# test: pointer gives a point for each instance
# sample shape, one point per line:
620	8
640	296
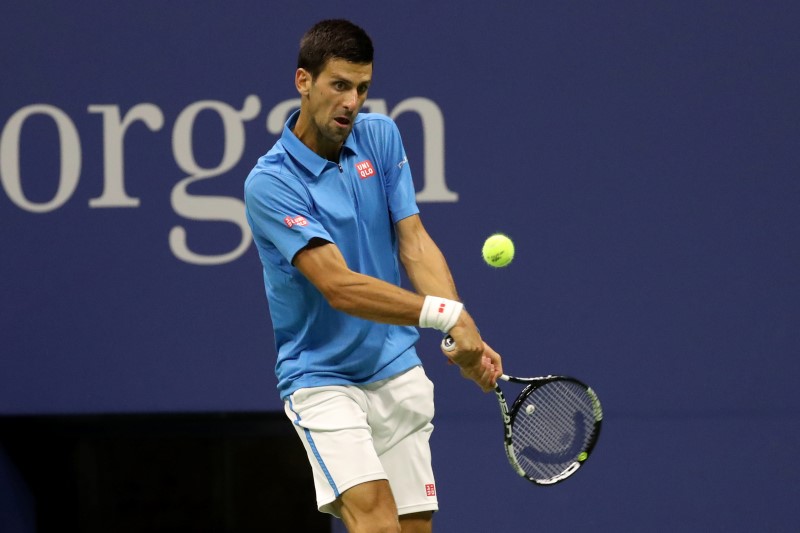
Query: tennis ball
582	456
498	250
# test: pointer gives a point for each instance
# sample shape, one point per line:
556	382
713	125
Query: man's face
334	98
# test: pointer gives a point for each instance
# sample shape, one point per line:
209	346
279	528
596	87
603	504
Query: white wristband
440	313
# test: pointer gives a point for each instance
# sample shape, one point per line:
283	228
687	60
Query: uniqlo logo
441	307
299	220
430	489
365	169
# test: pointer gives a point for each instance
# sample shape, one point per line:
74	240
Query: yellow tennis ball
498	250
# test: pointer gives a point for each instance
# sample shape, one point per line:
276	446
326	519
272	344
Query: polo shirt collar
304	155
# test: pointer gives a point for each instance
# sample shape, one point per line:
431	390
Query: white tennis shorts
353	434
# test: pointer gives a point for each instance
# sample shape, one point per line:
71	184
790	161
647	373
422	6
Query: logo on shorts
430	489
365	169
298	220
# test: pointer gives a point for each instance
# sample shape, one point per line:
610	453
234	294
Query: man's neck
313	139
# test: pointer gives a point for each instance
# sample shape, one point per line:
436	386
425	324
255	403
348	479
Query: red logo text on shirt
298	220
365	169
430	489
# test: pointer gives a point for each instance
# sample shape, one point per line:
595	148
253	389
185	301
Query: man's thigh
401	411
332	425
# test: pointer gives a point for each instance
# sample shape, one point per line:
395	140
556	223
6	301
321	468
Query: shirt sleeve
280	213
399	182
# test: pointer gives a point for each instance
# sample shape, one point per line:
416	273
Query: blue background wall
644	156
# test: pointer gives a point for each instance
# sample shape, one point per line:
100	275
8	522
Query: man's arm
354	293
428	271
373	299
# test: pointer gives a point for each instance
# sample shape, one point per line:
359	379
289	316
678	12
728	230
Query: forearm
373	299
425	264
354	293
428	272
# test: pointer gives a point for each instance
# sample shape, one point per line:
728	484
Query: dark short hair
333	39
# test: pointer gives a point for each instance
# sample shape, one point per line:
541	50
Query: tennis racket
551	428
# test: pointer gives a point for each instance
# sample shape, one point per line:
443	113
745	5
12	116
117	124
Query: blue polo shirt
293	195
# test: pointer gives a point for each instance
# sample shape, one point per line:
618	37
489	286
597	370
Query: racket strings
552	427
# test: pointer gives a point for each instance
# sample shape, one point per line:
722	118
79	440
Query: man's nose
351	99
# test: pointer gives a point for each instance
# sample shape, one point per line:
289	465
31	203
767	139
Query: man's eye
340	86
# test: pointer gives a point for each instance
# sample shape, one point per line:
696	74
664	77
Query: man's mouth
342	121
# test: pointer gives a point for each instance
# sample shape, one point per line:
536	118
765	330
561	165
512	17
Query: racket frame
531	384
509	414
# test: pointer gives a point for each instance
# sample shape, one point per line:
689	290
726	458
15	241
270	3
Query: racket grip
448	344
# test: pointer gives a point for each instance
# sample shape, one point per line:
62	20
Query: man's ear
302	81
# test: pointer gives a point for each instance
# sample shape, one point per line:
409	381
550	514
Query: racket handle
448	344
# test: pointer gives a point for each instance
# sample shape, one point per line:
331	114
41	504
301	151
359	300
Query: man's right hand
476	359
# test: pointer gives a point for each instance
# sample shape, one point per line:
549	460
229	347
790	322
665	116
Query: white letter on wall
70	151
114	129
434	188
209	207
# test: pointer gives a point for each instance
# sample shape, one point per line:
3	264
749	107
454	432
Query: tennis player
332	208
